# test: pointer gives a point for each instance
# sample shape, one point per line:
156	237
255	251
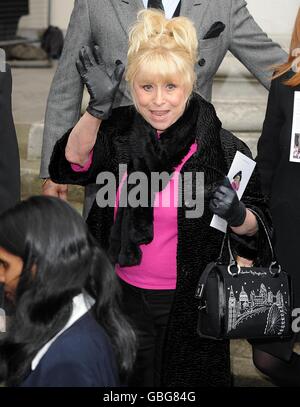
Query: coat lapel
194	9
126	11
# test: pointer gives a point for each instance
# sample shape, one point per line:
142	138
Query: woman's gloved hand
226	204
101	87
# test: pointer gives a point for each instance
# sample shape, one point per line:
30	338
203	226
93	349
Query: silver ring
235	265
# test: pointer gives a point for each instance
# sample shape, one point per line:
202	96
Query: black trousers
148	311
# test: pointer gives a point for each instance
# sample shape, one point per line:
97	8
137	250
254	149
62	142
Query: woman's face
160	102
10	270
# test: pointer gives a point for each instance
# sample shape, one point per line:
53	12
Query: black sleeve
9	153
254	247
104	159
268	150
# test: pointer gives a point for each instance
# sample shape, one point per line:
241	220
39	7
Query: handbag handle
233	263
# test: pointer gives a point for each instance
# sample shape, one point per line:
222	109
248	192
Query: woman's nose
159	97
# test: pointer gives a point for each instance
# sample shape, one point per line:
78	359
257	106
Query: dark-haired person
280	177
67	329
236	181
9	153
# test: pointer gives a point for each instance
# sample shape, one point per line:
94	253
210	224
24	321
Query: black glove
101	87
226	204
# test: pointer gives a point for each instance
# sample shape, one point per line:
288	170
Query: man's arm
251	45
9	153
64	101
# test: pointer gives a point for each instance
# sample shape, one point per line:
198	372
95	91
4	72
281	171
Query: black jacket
188	360
9	153
281	178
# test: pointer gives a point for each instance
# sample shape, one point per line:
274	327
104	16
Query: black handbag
244	302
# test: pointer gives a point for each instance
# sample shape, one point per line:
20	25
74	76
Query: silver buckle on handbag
235	265
273	264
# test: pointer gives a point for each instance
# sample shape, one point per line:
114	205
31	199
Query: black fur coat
188	360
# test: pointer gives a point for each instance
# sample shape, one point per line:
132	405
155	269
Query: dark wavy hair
53	240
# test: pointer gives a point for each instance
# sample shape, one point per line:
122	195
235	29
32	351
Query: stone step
246	375
30	138
22	130
244	372
241	116
239	99
235	88
250	139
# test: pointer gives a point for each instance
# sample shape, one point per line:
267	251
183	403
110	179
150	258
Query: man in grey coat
221	25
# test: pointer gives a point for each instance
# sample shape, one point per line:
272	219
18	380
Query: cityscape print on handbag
250	302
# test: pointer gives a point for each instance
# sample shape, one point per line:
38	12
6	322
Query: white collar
81	305
169	6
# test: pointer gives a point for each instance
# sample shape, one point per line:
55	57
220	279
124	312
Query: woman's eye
147	87
171	86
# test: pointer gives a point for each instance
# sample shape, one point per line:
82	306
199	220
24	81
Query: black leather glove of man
101	87
226	204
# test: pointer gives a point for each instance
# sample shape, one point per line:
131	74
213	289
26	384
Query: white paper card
2	321
239	174
295	136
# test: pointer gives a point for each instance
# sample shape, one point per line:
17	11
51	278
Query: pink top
235	185
158	269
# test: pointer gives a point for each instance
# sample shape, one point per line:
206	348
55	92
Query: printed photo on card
239	175
295	136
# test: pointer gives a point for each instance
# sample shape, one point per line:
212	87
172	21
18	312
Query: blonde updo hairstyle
162	48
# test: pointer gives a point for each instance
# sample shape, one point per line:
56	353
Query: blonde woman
159	251
280	180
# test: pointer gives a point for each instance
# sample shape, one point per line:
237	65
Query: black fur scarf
148	154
